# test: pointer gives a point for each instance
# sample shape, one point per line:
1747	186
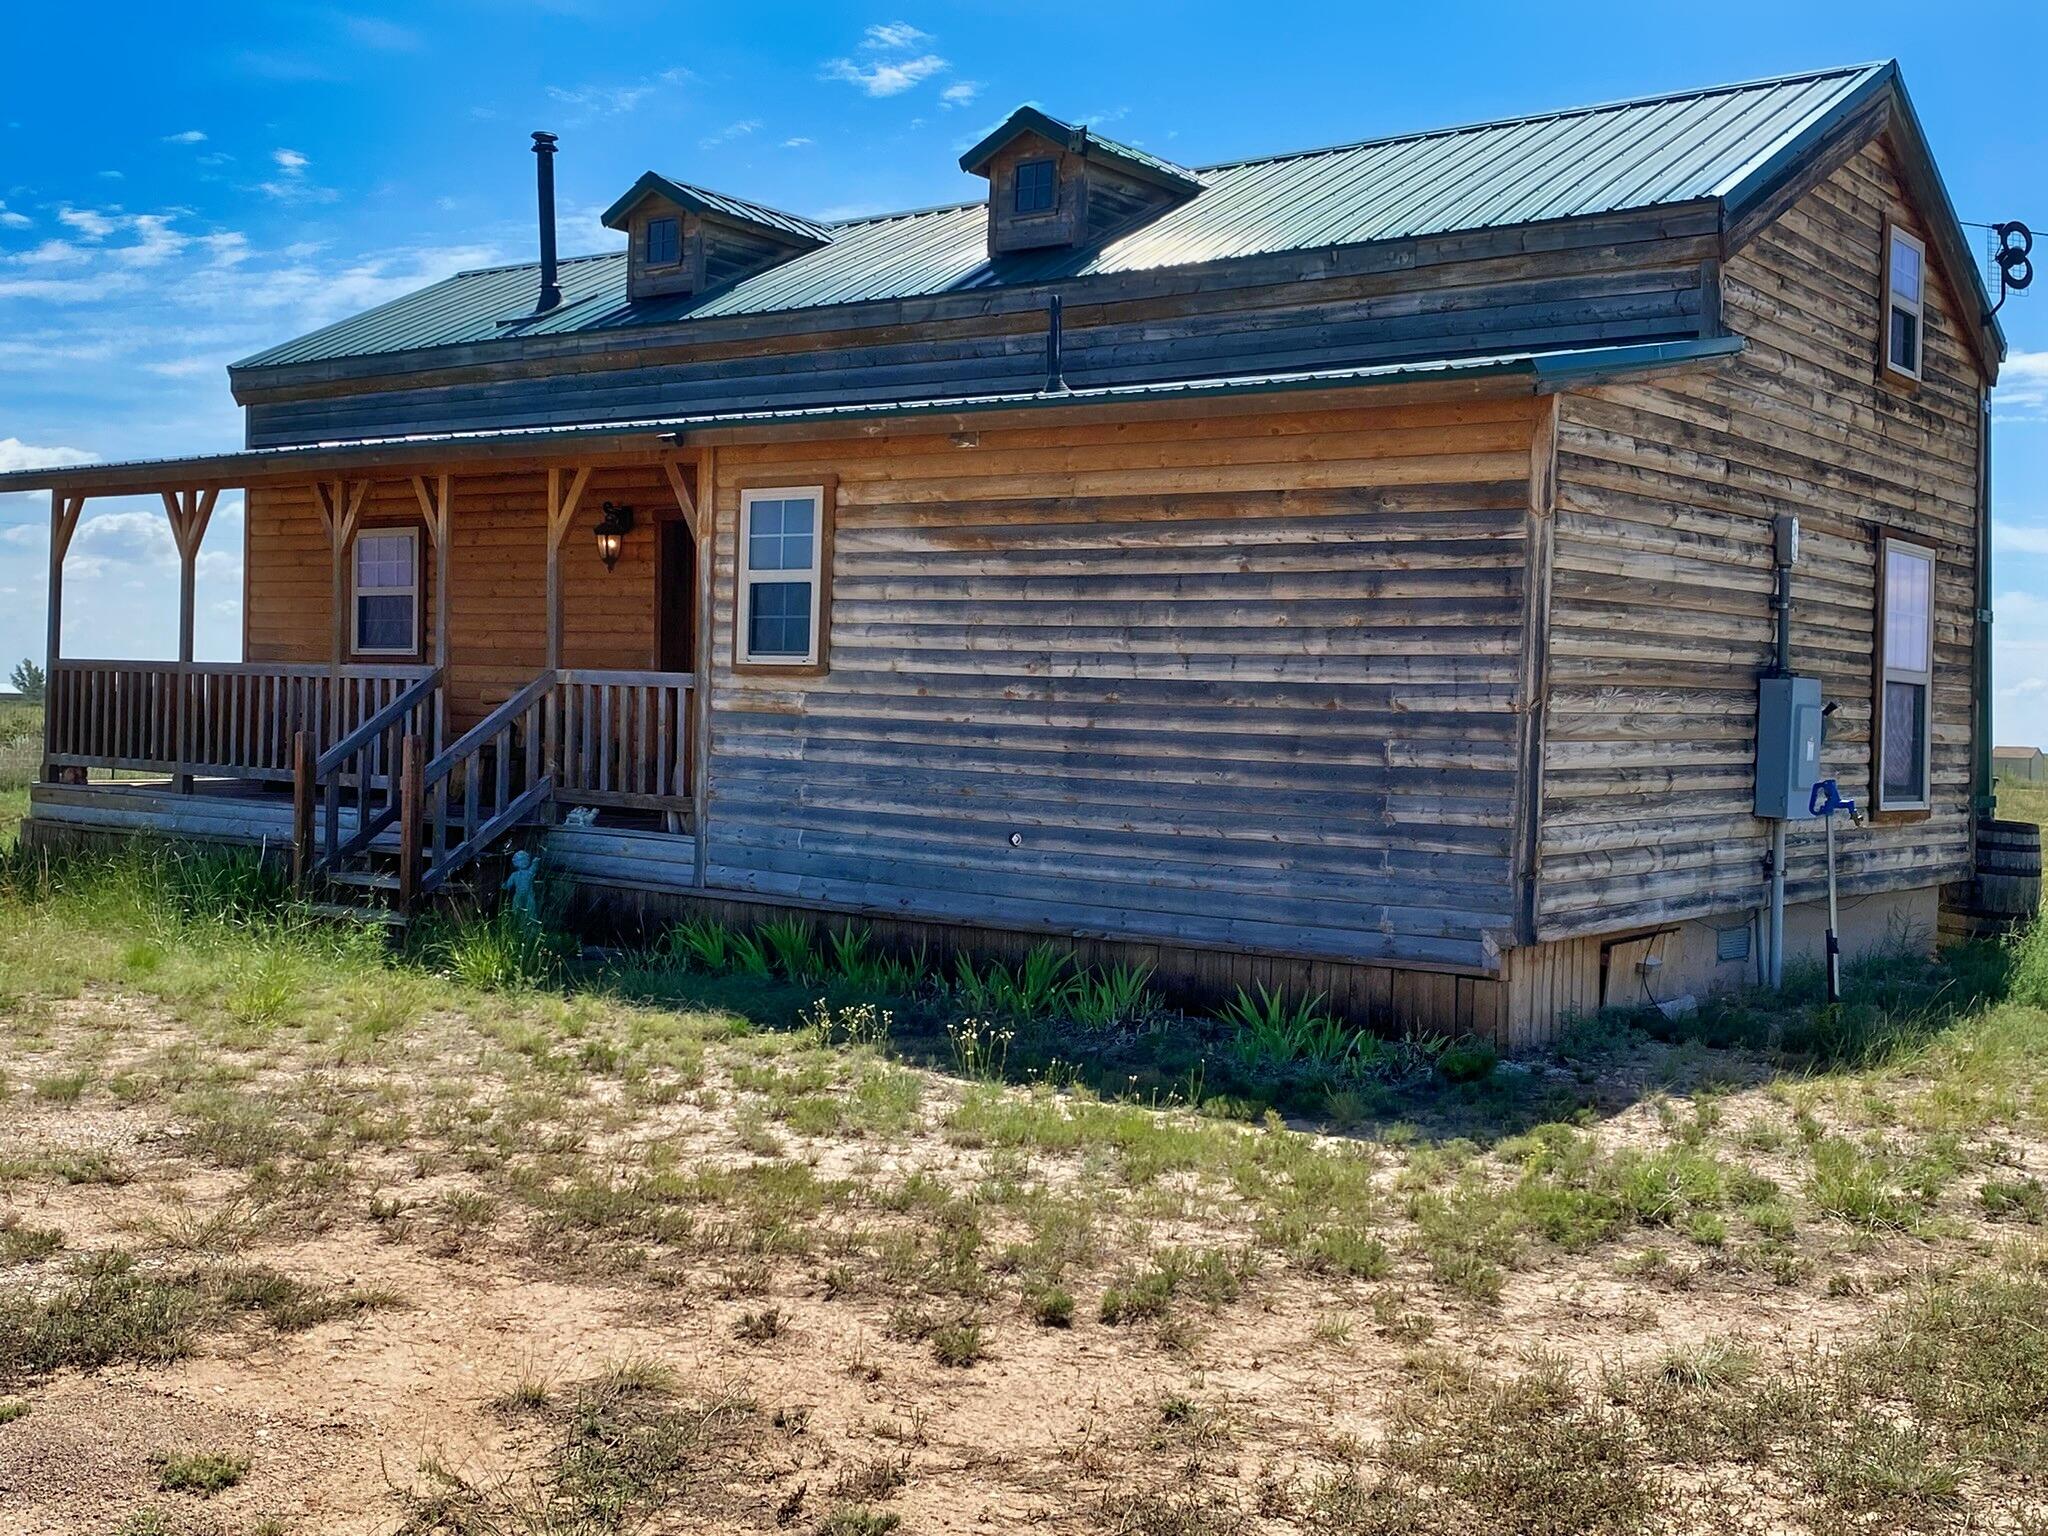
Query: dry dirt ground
423	1261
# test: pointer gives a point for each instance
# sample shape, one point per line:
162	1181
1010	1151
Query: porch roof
1531	372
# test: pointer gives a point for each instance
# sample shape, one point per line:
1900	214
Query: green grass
108	1310
861	1154
199	1472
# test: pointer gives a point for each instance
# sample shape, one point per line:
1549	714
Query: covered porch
441	697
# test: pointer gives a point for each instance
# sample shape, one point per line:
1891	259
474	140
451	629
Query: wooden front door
675	596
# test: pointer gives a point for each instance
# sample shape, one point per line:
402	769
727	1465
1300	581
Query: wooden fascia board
651	444
539	356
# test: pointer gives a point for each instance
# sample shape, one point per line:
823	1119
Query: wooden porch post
693	726
562	504
64	510
341	504
189	511
436	497
700	738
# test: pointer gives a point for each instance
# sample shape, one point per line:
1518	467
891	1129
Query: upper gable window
1905	309
664	242
1037	186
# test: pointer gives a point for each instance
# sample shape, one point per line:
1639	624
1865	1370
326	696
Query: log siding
1254	686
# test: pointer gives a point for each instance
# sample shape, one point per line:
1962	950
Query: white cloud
49	253
155	242
17	455
885	77
959	94
892	67
2022	392
893	35
189	136
89	222
729	132
12	220
799	142
613	100
2019	667
2019	538
290	184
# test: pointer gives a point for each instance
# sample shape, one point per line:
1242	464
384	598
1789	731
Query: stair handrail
388	725
402	703
478	736
438	860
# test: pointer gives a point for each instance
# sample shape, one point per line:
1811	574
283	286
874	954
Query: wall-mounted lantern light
612	529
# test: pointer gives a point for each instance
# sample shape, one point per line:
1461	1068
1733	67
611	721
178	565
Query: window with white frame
387	592
1905	693
781	545
1906	305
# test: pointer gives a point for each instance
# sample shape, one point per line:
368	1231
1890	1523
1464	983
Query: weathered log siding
1660	597
1633	277
1247	682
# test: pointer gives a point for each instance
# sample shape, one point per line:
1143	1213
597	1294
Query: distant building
2023	765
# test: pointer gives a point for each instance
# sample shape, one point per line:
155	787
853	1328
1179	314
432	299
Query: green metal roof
1729	142
1085	142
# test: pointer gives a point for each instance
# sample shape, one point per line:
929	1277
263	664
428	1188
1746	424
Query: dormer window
683	240
1051	184
664	242
1038	186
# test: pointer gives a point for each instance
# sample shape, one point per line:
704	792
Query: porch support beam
64	510
435	498
705	530
341	507
565	493
684	499
189	511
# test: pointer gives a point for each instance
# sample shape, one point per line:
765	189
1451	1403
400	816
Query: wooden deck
244	814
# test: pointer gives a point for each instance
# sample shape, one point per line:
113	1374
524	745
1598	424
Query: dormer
683	239
1053	184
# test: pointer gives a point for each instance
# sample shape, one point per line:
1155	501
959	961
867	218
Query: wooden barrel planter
2004	893
2008	869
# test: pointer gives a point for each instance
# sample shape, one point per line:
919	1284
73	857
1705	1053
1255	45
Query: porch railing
621	739
232	719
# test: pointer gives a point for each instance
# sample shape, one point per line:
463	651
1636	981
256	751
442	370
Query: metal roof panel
1648	153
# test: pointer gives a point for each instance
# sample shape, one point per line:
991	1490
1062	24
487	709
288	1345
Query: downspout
1986	796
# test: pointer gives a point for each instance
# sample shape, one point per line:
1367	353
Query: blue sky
226	176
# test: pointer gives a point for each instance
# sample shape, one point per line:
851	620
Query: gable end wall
1660	601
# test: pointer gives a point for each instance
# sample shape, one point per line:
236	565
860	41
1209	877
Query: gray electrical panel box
1788	734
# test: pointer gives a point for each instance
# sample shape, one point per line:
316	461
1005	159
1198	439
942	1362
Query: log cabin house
1348	570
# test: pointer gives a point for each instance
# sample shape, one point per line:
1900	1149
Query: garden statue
520	883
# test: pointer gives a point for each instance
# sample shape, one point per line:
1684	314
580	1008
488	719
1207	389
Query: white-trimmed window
1906	676
782	543
1905	324
387	592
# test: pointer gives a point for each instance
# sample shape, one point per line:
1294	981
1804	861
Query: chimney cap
543	142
